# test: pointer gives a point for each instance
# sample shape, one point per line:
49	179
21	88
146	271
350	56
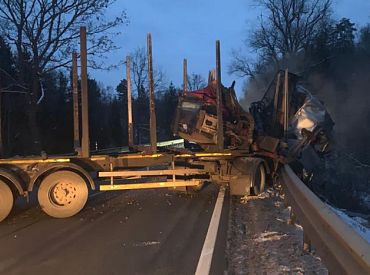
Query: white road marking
205	260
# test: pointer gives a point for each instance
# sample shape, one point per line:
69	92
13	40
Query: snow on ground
357	223
260	240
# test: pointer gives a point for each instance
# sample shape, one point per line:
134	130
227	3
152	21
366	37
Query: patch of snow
365	198
298	227
260	240
356	223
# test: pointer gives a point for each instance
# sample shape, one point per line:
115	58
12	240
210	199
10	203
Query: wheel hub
64	193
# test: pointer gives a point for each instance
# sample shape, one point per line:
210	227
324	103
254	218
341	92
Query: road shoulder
260	240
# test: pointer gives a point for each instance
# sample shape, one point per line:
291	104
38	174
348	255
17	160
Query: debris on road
260	240
147	243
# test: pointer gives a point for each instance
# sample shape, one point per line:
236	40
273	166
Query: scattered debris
261	242
147	243
270	236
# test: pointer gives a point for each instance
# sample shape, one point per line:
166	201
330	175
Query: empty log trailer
232	151
64	182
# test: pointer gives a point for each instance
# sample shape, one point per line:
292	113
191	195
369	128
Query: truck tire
259	179
62	194
6	200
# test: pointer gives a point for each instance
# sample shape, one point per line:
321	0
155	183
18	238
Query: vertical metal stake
1	124
220	128
76	117
185	76
111	169
173	168
84	96
276	100
129	103
153	121
211	76
286	103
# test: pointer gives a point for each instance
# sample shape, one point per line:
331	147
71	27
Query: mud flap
246	174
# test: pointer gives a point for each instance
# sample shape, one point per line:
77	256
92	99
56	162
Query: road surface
132	232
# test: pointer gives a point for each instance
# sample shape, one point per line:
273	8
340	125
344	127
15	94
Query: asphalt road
132	232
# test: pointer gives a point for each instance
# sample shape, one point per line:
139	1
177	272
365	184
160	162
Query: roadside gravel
260	240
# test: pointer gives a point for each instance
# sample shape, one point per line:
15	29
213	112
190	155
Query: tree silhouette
45	33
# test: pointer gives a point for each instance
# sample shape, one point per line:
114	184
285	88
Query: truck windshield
190	106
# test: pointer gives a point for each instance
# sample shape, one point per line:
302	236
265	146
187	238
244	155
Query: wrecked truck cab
196	118
289	113
307	119
287	125
312	117
193	123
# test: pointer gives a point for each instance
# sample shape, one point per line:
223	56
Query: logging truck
235	147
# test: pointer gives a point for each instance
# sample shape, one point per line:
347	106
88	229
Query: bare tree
196	82
48	30
139	71
45	32
285	31
140	81
241	65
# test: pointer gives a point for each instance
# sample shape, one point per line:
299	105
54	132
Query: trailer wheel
259	179
6	200
62	194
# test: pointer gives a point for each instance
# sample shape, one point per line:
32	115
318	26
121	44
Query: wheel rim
6	200
63	193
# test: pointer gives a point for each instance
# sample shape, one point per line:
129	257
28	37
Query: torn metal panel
287	112
310	115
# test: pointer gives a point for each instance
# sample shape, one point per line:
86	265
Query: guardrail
340	247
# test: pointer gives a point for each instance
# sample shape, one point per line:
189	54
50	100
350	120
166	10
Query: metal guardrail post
84	96
292	218
306	243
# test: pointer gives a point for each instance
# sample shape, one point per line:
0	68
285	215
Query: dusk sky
188	29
